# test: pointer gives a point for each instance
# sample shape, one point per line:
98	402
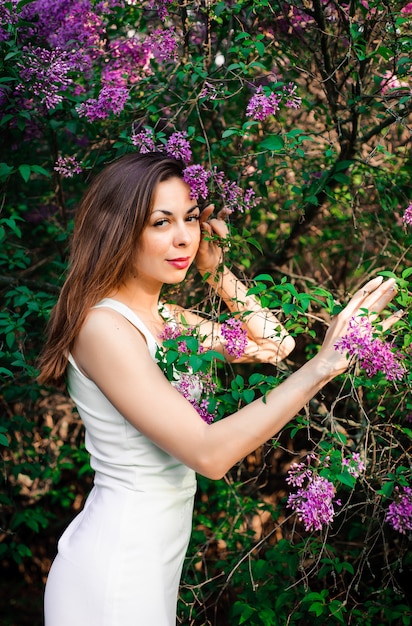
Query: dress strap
133	318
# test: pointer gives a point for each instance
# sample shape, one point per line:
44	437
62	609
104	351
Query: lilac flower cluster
235	337
163	44
407	216
8	15
67	166
47	72
372	353
160	6
262	105
144	140
74	39
313	503
399	515
110	100
292	100
212	91
196	387
233	196
354	465
178	146
314	500
197	178
128	60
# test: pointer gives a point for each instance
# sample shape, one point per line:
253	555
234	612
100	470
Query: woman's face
170	241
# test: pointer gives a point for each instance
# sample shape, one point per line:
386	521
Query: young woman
137	228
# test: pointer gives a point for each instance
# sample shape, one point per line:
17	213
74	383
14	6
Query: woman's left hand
210	253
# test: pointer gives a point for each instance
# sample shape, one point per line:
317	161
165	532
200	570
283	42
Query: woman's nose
183	236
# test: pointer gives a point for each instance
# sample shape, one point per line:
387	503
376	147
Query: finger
365	296
206	229
391	320
206	213
380	298
224	213
219	227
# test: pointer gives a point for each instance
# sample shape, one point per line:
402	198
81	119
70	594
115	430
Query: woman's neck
143	300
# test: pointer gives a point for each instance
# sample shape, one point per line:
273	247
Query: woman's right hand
370	300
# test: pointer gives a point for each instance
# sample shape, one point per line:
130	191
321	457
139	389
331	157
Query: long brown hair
109	222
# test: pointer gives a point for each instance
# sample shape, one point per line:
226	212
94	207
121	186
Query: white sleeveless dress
120	560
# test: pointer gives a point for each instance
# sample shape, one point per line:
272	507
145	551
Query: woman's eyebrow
166	212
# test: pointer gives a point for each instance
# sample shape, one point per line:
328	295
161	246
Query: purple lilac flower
354	465
67	166
144	140
407	216
313	504
399	515
235	336
261	106
373	354
178	146
233	196
160	6
8	15
211	91
250	199
163	44
197	178
170	331
193	387
110	100
69	25
47	73
298	473
128	60
292	100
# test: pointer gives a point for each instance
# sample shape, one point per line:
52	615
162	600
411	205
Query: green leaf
275	143
196	363
346	479
40	170
406	273
260	47
25	172
248	395
229	132
387	488
5	171
266	277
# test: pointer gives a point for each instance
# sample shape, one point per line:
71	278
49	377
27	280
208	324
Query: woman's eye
193	218
160	223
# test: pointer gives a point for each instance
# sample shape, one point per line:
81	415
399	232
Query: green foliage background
335	180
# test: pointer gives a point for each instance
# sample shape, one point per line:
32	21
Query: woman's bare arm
114	355
268	342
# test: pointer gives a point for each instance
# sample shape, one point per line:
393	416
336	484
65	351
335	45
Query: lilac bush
295	117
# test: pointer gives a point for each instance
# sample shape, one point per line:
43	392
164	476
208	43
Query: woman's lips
181	263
